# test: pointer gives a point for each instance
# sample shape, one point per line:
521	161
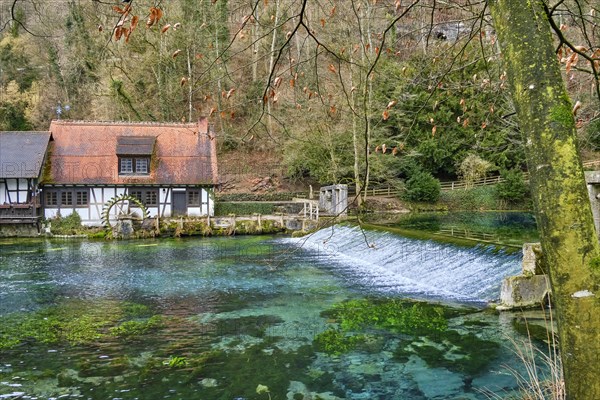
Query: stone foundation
19	230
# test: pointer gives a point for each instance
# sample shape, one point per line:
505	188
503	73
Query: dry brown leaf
134	21
385	115
277	81
292	82
323	22
433	130
571	62
159	13
332	68
391	104
183	81
332	12
127	34
176	53
465	123
118	33
155	15
230	92
100	28
165	28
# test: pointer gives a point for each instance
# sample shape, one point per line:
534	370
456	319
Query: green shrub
225	208
478	198
513	189
69	225
422	186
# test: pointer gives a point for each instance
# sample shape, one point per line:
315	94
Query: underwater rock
296	390
299	391
435	383
209	382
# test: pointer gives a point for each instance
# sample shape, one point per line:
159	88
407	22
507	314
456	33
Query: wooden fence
388	191
468	234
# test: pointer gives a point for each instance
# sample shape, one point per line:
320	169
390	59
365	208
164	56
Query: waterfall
387	262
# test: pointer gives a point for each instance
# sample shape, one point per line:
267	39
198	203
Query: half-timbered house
171	168
21	161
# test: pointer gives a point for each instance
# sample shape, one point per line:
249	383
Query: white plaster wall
3	198
50	212
194	212
12	185
165	202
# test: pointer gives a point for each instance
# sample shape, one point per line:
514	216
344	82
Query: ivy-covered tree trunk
563	211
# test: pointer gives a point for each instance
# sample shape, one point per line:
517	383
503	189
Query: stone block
532	259
523	291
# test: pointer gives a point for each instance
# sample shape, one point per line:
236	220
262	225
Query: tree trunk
562	206
271	65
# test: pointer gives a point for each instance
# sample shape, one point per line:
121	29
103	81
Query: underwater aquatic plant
263	389
176	362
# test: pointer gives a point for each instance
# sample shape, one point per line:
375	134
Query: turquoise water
332	315
507	227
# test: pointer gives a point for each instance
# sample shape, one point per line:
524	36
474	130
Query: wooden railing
18	213
388	191
468	234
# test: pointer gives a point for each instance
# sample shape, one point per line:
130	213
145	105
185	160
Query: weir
390	263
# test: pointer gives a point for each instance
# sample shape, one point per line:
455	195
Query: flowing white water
388	262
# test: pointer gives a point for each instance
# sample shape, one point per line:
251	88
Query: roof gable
87	153
22	153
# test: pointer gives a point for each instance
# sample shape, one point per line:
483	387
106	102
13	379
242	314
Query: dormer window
134	154
126	166
134	165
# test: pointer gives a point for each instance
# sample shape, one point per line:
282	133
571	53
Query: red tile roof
86	153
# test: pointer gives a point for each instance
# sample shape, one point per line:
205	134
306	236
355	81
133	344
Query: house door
179	204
